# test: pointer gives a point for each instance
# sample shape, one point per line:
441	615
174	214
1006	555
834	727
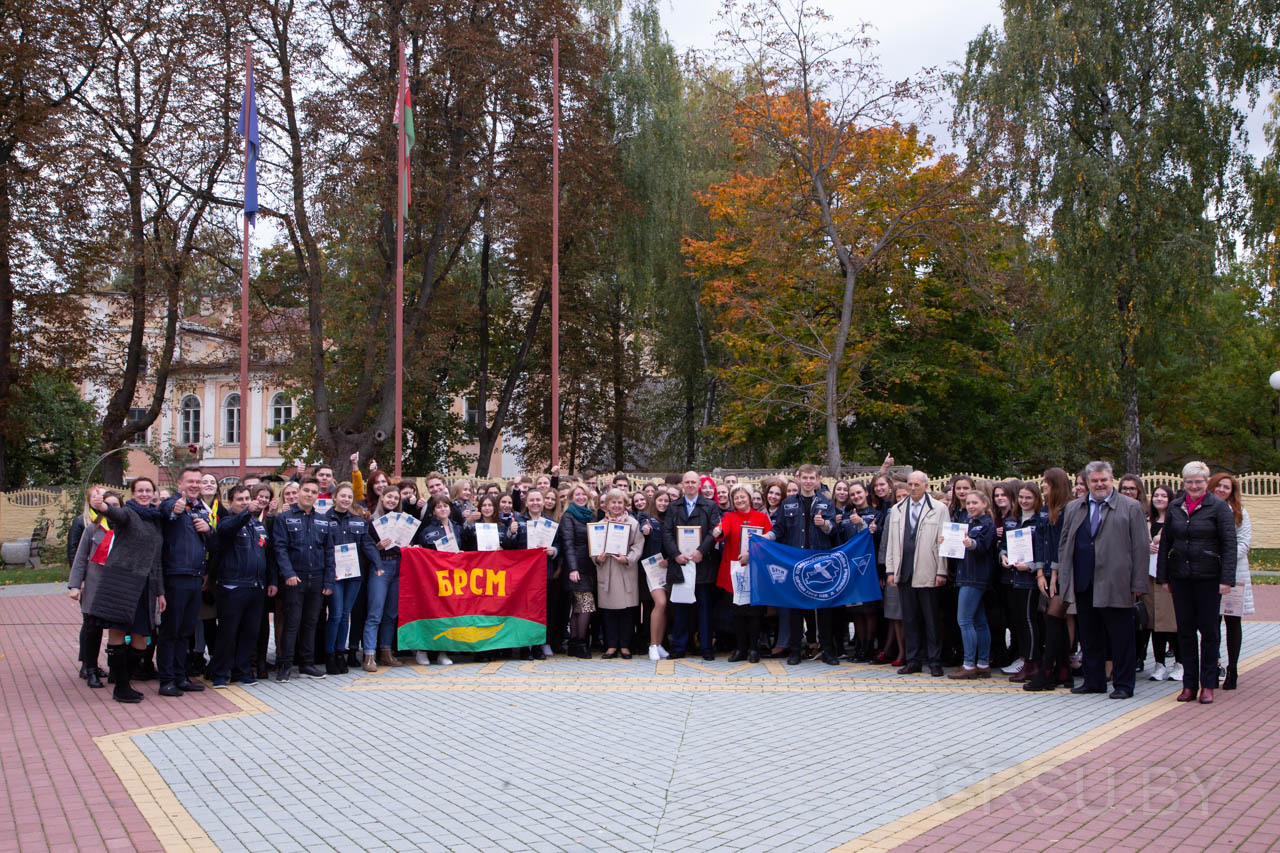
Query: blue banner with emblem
783	576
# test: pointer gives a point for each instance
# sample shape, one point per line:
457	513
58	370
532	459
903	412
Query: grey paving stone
590	769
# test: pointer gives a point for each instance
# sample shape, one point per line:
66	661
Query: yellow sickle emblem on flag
469	633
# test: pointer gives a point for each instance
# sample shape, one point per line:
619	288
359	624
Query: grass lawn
50	571
1265	559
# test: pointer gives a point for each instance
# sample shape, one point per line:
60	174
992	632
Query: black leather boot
118	664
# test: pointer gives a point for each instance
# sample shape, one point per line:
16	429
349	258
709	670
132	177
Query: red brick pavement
61	794
1195	777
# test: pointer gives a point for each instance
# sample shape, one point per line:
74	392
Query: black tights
91	644
1161	641
1234	636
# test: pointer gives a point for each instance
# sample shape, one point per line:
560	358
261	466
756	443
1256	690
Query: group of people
1110	572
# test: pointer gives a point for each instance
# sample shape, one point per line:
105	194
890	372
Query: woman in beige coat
617	580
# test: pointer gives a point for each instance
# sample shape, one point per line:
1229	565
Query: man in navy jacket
807	520
304	571
184	521
240	585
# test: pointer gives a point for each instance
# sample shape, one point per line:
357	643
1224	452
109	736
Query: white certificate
953	534
747	533
654	572
688	540
615	538
595	538
447	543
1020	546
741	577
682	593
487	537
346	561
406	528
540	533
384	527
323	505
1151	567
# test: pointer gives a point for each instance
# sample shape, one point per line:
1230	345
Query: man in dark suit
1103	562
692	510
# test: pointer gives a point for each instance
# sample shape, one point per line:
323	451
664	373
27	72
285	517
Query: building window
281	414
231	420
137	415
470	412
189	421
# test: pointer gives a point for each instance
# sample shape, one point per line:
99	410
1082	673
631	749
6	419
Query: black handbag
1142	615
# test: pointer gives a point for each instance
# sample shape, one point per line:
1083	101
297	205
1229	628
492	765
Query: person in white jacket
1239	602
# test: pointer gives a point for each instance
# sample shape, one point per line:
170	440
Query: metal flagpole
555	253
244	294
400	201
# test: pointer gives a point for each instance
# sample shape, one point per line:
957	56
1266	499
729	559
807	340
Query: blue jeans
340	604
384	606
973	627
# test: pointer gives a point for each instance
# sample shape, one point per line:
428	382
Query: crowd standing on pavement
191	586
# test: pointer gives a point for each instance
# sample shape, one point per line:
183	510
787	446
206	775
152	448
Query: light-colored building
202	404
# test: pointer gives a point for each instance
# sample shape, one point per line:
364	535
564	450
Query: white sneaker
546	650
654	654
1175	672
1013	668
1159	673
663	652
443	660
420	657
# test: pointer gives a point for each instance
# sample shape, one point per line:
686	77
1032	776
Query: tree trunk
690	431
6	313
619	399
1132	424
489	435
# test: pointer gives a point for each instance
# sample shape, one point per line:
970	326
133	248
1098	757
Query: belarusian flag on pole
404	120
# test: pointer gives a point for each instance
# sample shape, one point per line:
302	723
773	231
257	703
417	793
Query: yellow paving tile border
174	827
911	826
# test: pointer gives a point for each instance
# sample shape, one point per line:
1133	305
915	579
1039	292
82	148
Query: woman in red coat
746	617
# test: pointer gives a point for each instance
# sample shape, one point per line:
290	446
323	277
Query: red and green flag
404	120
473	601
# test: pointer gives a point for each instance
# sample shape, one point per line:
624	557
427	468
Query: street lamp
1274	382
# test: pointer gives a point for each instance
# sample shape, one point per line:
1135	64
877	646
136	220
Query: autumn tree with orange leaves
836	191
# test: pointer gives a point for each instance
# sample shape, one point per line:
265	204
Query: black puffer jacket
577	555
1201	546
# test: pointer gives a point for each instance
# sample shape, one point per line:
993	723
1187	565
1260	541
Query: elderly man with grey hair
1103	562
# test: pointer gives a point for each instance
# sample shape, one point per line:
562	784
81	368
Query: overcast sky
913	34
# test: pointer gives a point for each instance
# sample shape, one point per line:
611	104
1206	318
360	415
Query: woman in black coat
128	591
579	568
1197	564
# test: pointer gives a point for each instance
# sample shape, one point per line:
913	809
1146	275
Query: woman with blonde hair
1197	561
617	581
579	568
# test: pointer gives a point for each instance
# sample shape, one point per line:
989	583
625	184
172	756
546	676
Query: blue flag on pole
248	128
783	576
